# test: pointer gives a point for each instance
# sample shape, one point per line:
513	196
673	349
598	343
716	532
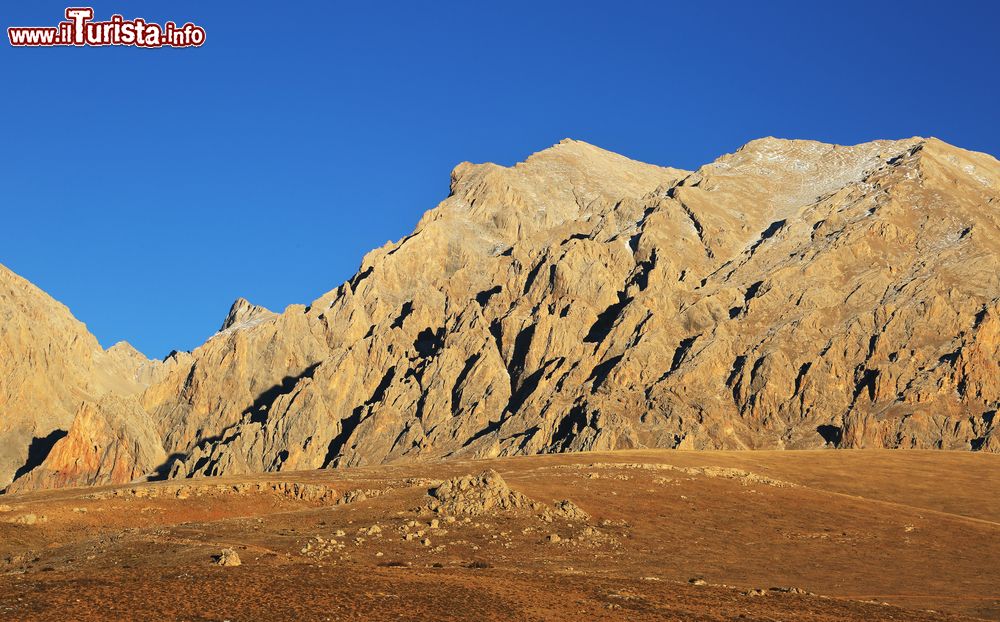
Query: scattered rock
570	510
356	496
789	590
292	490
475	495
228	557
744	477
28	519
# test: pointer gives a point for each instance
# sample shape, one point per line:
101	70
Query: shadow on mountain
162	472
39	450
832	434
262	405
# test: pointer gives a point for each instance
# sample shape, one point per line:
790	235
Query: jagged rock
354	496
475	495
49	364
243	314
228	557
568	509
128	365
789	295
110	441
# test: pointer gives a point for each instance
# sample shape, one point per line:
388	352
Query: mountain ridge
791	294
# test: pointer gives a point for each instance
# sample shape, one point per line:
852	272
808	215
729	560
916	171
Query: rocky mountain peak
244	313
792	294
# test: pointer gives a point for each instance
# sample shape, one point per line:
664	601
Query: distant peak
243	312
571	145
772	143
125	347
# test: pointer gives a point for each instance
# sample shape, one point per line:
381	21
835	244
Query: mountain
49	365
790	295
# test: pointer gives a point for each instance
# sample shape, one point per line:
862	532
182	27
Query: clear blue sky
147	189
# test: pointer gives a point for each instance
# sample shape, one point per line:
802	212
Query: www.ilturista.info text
79	29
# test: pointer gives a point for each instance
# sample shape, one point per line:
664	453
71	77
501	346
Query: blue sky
147	189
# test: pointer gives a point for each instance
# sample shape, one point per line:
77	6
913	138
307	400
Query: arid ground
821	535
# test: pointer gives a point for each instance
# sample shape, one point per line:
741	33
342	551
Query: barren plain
636	535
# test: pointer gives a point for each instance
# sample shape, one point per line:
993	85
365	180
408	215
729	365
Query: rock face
49	365
790	295
243	313
110	441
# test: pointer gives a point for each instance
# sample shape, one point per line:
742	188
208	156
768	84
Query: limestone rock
792	294
470	495
568	509
228	557
49	365
110	441
243	313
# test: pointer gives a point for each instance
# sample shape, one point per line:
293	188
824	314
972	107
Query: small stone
228	557
29	519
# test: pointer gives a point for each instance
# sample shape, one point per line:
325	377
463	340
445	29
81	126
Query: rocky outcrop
488	494
474	495
228	557
243	313
49	365
296	491
110	441
790	295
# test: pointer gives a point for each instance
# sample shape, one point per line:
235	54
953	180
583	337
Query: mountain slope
792	294
49	365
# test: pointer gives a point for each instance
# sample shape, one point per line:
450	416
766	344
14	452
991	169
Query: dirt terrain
629	535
